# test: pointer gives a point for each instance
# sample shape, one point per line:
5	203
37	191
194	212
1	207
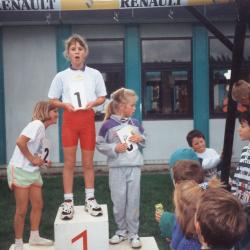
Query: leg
88	168
118	189
133	200
36	200
68	170
22	199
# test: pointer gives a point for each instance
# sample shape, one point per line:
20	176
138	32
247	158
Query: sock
18	242
69	197
89	193
34	234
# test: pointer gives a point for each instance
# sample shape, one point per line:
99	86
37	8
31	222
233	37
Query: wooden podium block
83	232
148	243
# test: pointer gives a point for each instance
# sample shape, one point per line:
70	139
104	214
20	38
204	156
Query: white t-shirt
35	130
210	158
76	86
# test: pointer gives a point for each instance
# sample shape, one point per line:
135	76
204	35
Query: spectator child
241	181
182	170
120	139
209	158
24	176
241	93
186	197
220	220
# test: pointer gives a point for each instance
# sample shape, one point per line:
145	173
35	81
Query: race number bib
124	134
78	95
45	155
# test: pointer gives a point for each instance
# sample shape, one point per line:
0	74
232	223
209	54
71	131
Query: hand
136	138
69	107
90	105
37	161
121	147
158	216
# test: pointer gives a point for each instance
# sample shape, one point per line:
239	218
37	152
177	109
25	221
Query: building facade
175	65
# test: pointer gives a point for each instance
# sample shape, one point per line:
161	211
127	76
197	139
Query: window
166	78
107	57
220	64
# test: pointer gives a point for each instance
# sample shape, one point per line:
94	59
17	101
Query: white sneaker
67	210
117	238
92	207
135	241
18	247
39	241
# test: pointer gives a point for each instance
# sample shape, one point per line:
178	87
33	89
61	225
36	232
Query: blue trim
62	33
2	107
201	80
133	64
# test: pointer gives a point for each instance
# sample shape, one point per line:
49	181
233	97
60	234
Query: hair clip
203	185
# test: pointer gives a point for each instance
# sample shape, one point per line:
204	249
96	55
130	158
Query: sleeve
100	89
105	148
212	160
32	130
56	88
166	224
141	130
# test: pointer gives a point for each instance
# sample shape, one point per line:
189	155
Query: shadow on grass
155	188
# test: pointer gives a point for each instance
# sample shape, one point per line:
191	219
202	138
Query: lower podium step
148	243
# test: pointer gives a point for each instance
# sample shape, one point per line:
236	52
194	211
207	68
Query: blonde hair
240	89
72	40
186	196
41	111
119	97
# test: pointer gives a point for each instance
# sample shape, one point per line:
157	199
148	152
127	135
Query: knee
21	212
88	165
37	206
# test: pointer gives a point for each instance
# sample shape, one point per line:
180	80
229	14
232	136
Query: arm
22	145
66	106
100	100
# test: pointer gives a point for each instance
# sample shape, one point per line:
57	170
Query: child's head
73	40
244	128
241	92
43	112
220	219
122	102
196	140
186	197
188	170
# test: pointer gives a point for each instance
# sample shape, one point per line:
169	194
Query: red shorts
79	125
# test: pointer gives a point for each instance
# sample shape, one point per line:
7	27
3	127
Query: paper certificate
78	95
124	134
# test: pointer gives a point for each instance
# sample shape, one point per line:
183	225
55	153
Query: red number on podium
82	235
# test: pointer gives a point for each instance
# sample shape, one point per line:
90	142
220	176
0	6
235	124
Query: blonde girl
24	176
120	138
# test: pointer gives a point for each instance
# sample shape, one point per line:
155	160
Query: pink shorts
79	125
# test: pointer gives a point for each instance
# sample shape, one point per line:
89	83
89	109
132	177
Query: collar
120	119
82	69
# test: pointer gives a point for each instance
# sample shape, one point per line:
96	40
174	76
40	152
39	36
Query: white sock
89	193
69	196
34	234
18	242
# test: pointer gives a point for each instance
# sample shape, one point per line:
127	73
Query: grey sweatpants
124	184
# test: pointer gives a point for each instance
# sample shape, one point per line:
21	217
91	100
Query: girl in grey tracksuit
121	139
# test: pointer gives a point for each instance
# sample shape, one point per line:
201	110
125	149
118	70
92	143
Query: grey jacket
108	138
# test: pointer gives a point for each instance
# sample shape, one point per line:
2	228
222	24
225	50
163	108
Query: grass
155	188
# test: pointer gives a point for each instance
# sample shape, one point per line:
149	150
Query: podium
83	232
86	232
